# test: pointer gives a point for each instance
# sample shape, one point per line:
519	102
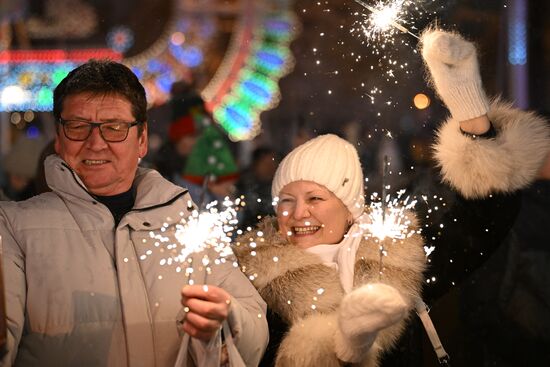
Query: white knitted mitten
452	62
362	314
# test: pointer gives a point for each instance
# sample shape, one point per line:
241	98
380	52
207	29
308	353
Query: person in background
85	282
255	185
188	117
20	165
40	184
172	155
211	171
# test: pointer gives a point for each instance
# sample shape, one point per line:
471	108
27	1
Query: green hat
210	157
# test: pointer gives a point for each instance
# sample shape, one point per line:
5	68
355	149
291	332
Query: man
84	284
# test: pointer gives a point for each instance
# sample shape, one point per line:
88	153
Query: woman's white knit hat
329	161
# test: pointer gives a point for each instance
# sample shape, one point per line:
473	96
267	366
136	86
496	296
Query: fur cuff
310	342
478	167
348	351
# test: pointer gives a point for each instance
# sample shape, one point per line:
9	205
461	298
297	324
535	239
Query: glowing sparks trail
207	231
379	25
390	220
385	16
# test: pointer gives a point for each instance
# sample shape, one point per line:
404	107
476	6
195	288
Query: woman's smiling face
309	214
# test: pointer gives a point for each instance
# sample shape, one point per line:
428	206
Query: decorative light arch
244	85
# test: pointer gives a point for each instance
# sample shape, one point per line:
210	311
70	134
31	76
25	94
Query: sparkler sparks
380	27
208	231
388	217
383	17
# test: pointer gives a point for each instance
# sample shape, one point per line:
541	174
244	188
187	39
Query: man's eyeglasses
113	132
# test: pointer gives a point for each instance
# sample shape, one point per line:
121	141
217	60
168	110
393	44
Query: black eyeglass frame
98	125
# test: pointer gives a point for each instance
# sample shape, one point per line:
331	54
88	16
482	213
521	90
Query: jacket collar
152	190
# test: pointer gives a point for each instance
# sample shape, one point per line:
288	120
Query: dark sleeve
469	232
277	329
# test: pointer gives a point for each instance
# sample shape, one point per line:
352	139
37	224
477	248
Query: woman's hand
454	70
363	313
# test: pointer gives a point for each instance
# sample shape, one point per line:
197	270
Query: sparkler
384	207
378	28
385	16
388	217
394	223
207	231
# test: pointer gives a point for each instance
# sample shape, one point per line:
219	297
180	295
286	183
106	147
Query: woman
319	271
320	274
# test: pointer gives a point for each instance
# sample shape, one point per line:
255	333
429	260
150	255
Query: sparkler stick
204	187
387	17
202	231
384	208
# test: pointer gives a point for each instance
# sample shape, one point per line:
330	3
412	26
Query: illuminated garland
28	78
246	83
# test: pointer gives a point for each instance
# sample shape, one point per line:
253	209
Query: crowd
312	283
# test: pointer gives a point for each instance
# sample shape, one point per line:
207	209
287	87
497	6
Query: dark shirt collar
118	204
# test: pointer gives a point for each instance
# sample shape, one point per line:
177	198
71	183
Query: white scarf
341	256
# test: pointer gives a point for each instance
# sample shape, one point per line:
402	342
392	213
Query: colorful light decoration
28	78
120	39
246	83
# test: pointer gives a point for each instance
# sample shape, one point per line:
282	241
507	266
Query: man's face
105	168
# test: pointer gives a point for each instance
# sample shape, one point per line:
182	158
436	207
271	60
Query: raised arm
483	147
486	151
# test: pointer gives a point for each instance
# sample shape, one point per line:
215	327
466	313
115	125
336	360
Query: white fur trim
311	342
478	167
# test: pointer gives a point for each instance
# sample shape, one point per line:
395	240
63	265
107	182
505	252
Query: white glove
362	314
452	62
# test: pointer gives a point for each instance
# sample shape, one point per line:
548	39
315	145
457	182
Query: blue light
270	58
156	66
137	71
164	82
239	120
188	55
517	43
32	132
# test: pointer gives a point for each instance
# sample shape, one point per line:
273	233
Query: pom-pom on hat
327	160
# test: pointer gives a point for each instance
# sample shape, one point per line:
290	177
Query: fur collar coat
306	294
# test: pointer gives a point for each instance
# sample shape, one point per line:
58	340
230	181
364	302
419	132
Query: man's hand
207	307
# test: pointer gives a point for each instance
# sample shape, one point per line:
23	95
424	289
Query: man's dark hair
103	77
